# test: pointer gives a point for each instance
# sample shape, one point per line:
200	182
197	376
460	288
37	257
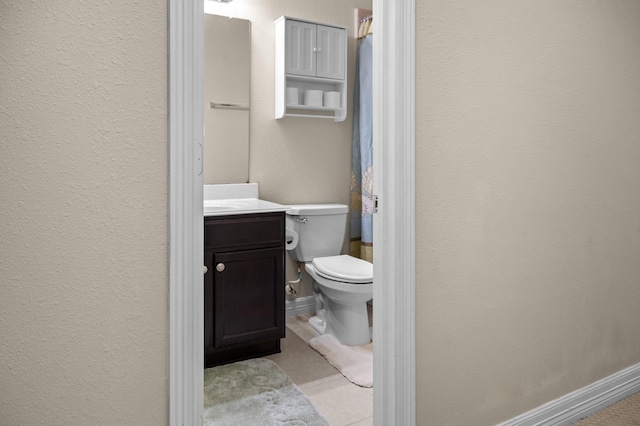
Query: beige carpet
255	392
354	362
623	413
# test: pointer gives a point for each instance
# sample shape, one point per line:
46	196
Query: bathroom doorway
394	367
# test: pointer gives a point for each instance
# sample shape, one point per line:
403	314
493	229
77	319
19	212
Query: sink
225	205
234	202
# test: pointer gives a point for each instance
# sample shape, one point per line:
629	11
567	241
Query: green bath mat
255	392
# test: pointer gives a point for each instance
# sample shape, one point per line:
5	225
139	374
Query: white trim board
300	306
579	404
186	317
394	399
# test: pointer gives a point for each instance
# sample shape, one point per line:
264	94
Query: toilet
342	284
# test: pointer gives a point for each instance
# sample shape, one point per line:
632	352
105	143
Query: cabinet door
249	295
300	45
331	45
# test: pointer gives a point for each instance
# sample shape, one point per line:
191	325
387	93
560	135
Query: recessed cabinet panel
300	48
331	52
245	231
248	306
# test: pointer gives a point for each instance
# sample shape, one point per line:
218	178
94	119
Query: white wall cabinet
310	56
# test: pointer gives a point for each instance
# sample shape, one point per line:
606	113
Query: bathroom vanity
244	294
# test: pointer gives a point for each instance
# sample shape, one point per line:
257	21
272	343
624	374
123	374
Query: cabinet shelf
320	112
314	108
319	80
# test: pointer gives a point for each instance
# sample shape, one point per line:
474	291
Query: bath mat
354	362
255	392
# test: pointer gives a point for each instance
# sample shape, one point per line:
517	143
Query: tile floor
341	402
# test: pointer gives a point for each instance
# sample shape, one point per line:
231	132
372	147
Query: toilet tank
318	228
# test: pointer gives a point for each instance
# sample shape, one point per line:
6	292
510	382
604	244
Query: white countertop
228	199
240	206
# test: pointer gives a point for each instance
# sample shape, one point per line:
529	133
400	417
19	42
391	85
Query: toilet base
318	324
348	324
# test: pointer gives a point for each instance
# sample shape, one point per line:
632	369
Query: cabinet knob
220	267
317	49
205	269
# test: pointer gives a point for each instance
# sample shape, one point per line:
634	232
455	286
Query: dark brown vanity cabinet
243	286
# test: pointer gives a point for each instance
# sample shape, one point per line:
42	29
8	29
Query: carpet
354	362
622	413
255	392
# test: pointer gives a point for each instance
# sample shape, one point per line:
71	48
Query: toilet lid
344	268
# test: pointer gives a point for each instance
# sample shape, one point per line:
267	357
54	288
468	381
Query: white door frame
394	225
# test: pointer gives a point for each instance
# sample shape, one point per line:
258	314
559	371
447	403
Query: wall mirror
227	74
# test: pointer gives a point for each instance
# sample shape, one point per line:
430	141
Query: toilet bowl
342	283
344	302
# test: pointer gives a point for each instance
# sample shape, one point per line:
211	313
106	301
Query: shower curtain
361	219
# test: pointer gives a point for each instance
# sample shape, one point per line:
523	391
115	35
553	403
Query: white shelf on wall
318	112
310	56
315	108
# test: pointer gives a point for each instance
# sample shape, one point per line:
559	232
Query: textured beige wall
527	152
83	226
528	231
295	160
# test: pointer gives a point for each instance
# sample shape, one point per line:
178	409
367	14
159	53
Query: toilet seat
344	268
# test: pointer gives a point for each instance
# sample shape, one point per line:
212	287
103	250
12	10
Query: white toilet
342	284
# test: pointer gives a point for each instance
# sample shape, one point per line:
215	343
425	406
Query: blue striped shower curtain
361	219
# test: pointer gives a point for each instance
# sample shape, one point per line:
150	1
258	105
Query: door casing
394	224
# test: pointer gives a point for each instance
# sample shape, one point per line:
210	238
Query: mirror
227	73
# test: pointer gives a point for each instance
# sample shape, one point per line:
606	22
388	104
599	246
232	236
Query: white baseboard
579	404
300	306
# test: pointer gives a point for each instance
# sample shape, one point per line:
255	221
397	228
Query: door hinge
375	204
